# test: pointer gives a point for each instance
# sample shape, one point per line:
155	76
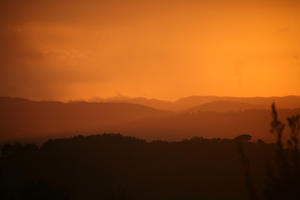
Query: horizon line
115	98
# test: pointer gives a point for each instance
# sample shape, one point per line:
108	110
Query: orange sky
160	49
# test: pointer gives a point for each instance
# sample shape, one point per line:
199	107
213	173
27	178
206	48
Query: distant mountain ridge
21	118
24	117
286	102
226	106
207	124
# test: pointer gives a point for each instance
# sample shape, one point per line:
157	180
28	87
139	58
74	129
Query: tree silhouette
282	173
243	138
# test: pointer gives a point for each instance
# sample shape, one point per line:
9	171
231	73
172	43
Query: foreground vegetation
283	169
112	166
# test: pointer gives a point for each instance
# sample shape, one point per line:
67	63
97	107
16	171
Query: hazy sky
72	49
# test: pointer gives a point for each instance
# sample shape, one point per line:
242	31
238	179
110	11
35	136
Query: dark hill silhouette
115	167
225	106
206	124
287	102
24	118
153	103
112	166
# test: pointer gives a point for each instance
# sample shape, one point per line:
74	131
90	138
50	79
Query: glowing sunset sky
160	49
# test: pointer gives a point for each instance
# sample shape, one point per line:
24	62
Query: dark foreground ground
116	167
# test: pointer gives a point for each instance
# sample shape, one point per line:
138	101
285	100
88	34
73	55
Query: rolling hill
23	118
207	124
225	106
184	104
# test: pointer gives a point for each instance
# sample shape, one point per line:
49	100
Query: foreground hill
116	167
24	118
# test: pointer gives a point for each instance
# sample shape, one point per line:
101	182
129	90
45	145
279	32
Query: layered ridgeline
288	102
22	118
210	117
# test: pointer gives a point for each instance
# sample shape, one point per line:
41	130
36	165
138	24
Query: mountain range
145	118
182	104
